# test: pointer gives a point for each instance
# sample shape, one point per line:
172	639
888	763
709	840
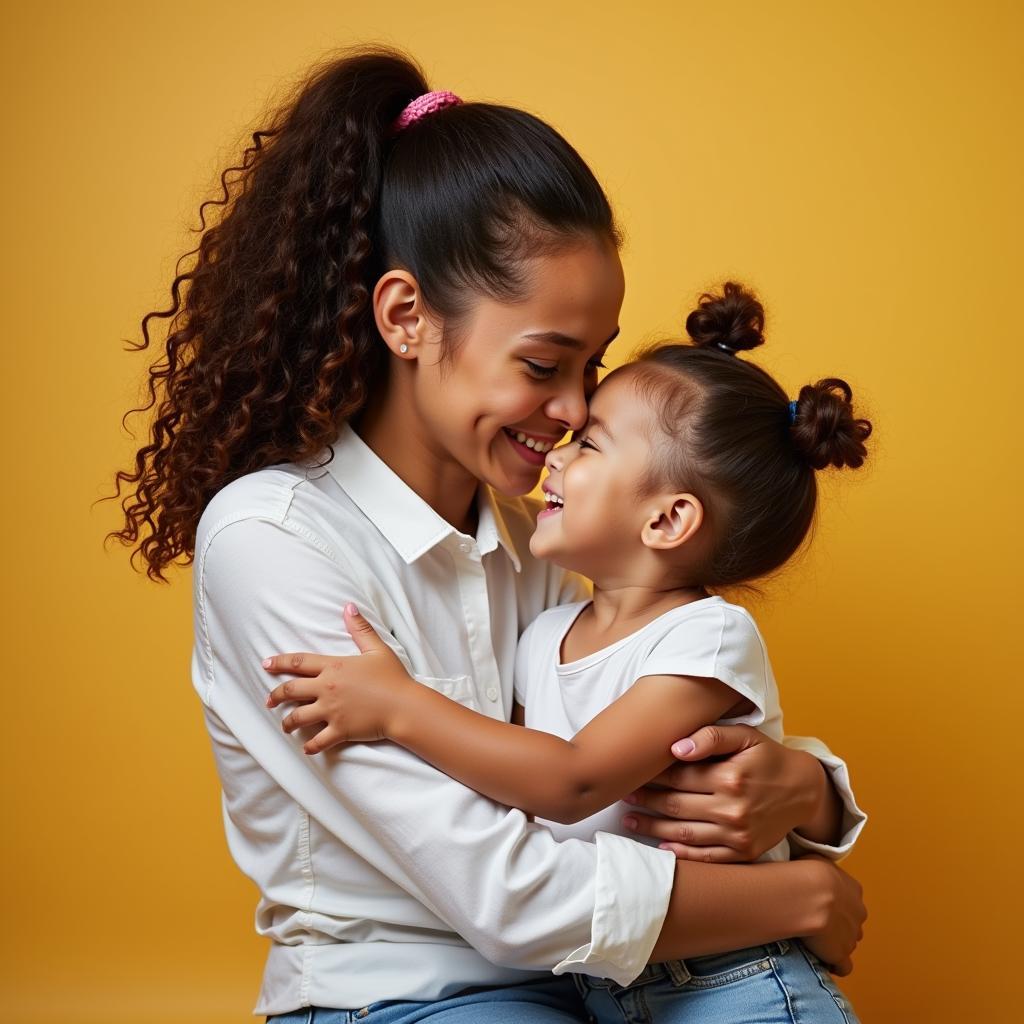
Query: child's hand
356	697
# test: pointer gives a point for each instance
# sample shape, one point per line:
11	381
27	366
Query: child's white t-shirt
710	638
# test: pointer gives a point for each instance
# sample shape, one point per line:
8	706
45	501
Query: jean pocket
726	968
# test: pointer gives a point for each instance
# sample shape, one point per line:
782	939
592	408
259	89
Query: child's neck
617	612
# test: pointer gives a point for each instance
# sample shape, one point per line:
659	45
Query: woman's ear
398	310
673	521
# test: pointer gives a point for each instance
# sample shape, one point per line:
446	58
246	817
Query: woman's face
521	373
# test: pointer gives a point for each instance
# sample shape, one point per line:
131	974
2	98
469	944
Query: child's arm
562	780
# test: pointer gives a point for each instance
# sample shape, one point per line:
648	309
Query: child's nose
557	457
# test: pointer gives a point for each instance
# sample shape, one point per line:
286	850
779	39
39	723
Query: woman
404	304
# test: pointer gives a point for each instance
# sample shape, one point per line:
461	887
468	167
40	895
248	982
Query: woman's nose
569	407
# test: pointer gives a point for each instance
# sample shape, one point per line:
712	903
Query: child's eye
584	442
540	371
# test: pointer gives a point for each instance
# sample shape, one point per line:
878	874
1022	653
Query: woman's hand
355	697
842	915
735	806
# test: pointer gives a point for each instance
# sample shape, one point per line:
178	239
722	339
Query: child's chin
548	552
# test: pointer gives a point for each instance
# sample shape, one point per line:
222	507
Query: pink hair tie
422	106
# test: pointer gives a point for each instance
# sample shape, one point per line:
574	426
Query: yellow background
859	163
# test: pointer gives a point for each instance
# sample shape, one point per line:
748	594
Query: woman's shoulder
265	494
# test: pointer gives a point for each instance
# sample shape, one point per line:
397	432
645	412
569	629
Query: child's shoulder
713	617
553	620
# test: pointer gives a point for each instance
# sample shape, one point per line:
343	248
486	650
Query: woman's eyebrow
563	340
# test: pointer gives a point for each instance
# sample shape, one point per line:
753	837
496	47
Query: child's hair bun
732	321
825	430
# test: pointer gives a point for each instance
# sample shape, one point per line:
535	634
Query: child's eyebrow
594	421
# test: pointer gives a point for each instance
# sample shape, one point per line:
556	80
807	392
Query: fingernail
267	662
629	821
267	701
683	747
351	609
631	799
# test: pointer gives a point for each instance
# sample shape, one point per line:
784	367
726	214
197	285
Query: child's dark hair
731	439
271	342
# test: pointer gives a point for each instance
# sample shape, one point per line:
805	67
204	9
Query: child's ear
673	521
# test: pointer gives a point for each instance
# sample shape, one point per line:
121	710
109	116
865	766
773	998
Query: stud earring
403	348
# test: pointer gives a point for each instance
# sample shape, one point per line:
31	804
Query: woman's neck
392	432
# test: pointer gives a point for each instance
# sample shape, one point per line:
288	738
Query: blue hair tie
792	412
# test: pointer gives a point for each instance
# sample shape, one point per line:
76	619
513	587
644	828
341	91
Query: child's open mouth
552	503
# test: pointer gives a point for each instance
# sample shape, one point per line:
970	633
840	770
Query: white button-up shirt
381	877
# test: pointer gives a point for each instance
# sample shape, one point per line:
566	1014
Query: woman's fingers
686	833
706	854
693	778
842	968
697	835
674	804
298	664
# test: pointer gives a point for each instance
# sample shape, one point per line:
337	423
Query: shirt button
492	693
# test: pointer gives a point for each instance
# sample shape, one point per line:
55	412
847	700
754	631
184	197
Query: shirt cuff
633	883
854	818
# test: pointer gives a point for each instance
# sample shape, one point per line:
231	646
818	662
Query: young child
694	472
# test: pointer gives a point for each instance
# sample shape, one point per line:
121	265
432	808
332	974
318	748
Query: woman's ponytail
269	344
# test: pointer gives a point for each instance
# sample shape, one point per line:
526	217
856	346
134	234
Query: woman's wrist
823	818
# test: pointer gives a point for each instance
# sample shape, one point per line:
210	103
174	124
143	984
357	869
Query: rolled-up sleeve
854	818
469	865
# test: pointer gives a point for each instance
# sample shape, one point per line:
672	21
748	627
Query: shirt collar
492	529
406	521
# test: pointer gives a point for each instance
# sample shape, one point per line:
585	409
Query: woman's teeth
537	446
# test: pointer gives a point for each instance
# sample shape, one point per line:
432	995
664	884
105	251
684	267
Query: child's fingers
298	664
308	714
294	689
323	740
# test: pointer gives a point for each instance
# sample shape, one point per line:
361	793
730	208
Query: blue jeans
547	1001
780	983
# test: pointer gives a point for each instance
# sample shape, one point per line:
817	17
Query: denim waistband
679	972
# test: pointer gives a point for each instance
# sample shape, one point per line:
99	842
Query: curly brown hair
271	343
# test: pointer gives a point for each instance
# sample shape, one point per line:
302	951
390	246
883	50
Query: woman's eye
541	371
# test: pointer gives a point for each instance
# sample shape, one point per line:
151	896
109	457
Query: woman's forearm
715	908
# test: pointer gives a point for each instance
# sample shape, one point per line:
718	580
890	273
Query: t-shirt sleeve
717	643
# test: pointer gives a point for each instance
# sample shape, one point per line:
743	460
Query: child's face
596	527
